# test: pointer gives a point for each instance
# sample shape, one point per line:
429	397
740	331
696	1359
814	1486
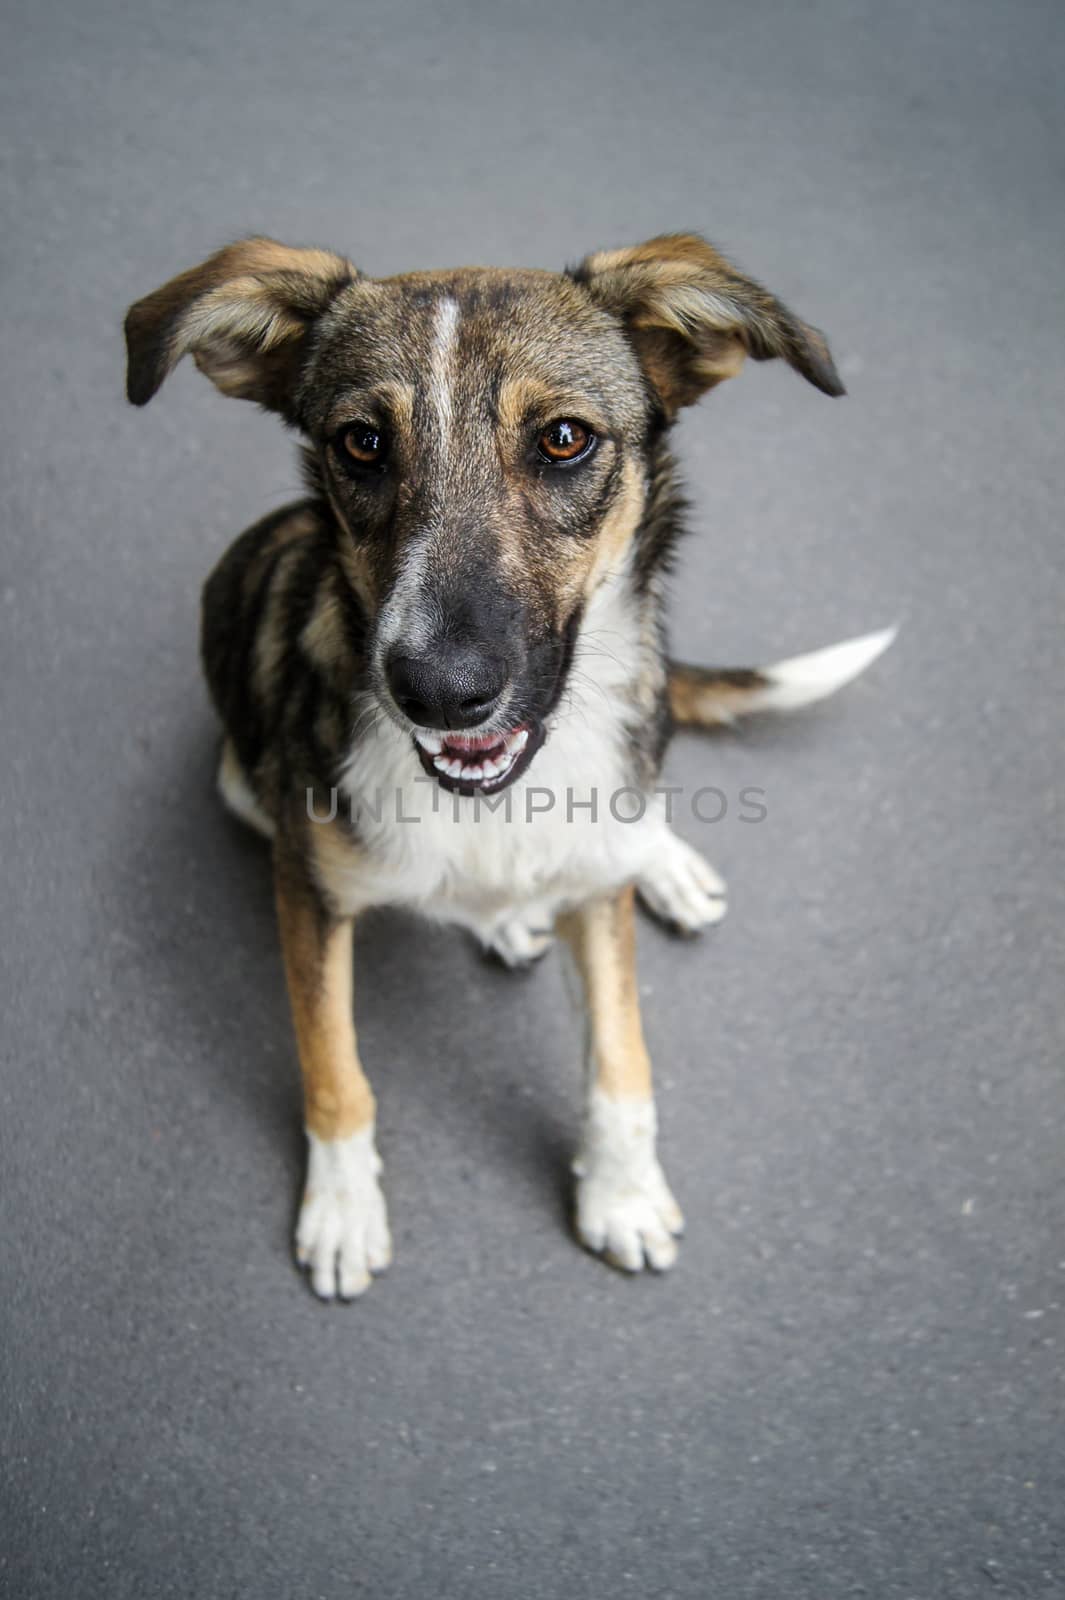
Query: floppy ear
693	318
244	315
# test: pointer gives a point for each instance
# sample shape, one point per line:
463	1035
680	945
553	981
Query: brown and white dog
470	599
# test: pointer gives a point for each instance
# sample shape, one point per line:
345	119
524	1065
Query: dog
465	613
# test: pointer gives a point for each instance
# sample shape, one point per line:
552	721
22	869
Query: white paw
518	943
342	1234
625	1210
681	888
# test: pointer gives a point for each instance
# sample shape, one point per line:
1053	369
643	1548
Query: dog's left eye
363	444
565	441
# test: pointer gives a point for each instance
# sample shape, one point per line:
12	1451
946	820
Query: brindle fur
622	340
513	550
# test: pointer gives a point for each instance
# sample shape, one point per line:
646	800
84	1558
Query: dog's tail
710	697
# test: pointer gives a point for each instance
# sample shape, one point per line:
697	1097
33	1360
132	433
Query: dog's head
484	438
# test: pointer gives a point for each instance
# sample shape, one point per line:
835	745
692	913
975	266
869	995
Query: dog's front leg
342	1235
624	1206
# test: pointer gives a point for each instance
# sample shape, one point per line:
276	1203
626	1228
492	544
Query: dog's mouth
477	763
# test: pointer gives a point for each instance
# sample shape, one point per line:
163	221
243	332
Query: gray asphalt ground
852	1383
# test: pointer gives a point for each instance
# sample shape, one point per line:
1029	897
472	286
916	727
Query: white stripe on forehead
442	363
406	618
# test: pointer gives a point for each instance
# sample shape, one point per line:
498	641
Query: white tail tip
803	679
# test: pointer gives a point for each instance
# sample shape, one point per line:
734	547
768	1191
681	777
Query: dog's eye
565	440
364	444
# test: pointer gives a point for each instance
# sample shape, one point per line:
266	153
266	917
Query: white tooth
429	741
490	769
517	741
473	774
454	768
502	767
440	763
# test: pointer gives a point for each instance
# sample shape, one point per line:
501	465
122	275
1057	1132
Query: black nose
453	686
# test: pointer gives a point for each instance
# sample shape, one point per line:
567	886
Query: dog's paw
518	943
681	888
625	1210
342	1234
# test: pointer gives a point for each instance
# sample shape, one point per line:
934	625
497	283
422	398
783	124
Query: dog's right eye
565	442
362	443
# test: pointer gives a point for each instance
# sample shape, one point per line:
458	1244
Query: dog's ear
244	315
693	318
